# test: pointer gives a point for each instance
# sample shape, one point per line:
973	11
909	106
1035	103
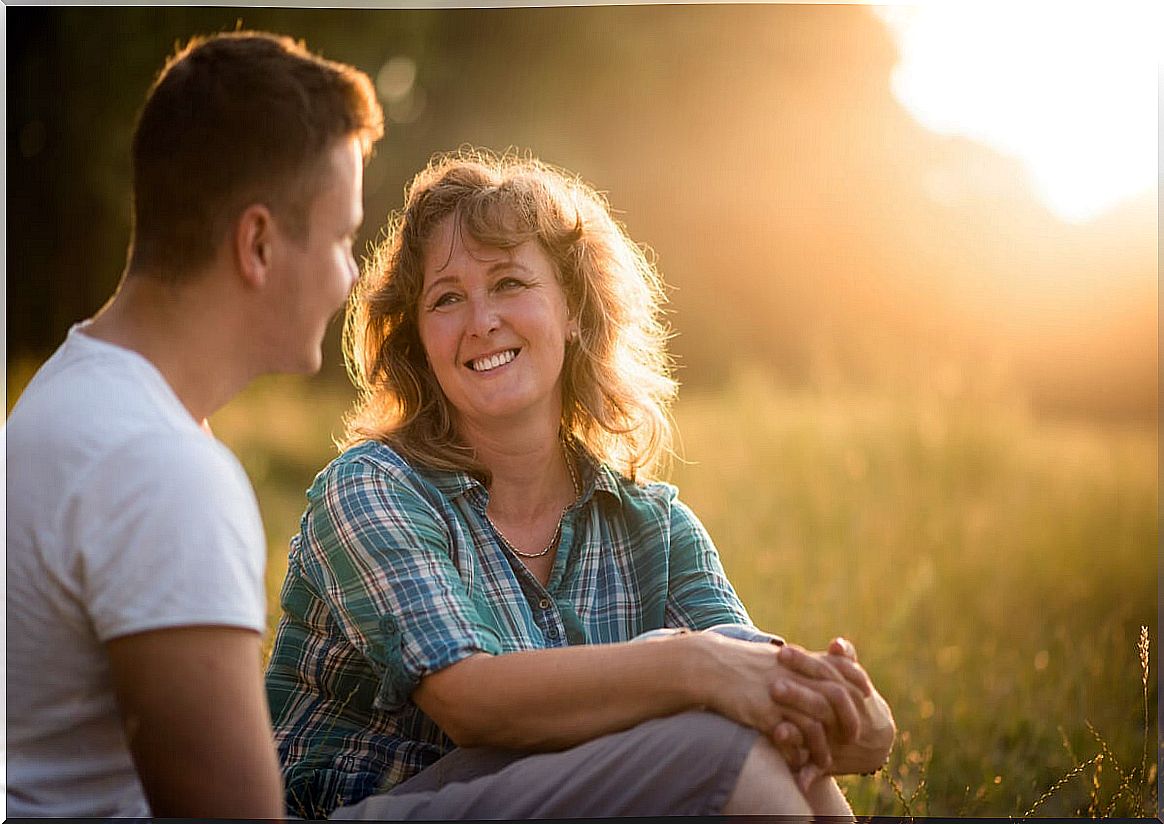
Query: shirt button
552	632
544	603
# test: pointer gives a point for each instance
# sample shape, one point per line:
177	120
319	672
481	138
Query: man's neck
186	332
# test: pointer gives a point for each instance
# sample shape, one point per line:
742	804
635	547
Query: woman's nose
482	315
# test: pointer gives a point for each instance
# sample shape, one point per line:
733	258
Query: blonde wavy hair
617	382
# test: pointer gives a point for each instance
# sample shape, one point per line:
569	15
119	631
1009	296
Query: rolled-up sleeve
377	550
699	592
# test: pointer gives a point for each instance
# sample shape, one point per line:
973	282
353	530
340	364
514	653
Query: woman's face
494	324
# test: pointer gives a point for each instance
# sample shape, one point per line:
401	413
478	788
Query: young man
135	550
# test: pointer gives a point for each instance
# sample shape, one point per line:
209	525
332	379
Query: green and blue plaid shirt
396	574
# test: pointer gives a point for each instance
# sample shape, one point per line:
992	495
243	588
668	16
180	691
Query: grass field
993	570
994	573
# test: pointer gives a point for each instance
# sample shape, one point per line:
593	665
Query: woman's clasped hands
822	696
819	709
836	722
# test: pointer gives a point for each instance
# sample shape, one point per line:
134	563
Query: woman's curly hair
617	384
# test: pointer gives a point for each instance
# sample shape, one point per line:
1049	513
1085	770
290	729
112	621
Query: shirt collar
451	482
597	477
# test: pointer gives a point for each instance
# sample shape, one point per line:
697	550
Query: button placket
550	621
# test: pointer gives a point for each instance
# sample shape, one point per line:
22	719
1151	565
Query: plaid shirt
396	574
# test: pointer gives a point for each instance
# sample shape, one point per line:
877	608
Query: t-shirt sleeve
168	535
377	551
699	592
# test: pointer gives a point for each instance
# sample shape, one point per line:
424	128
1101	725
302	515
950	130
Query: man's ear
253	241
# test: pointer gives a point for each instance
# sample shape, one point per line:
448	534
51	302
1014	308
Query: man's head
235	120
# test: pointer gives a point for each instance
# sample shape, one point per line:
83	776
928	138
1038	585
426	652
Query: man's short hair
235	119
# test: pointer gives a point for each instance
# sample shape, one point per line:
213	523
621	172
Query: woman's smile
493	323
494	362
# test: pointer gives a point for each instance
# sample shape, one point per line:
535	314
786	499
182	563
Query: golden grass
995	571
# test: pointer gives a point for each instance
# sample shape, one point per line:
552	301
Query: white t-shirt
124	515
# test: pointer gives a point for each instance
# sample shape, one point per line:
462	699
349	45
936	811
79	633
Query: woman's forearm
552	699
556	698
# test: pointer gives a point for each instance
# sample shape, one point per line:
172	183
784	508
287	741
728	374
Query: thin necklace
557	532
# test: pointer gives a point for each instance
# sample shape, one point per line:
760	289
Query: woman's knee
826	799
766	786
761	782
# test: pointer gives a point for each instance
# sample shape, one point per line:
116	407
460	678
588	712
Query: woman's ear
253	242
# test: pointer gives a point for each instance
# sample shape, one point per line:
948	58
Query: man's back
128	517
135	549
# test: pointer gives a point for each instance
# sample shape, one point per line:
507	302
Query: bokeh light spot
396	78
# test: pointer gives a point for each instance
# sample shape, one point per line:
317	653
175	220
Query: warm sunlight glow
1070	89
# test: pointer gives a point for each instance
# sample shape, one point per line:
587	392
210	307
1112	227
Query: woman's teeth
493	361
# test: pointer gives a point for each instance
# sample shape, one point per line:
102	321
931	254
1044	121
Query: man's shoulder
90	396
187	460
96	428
121	514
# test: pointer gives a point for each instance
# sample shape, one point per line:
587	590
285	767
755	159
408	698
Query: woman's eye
509	283
447	299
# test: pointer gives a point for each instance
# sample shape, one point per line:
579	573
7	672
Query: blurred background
912	255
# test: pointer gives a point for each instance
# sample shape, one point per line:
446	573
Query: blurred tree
801	216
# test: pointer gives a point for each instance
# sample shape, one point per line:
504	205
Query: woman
469	572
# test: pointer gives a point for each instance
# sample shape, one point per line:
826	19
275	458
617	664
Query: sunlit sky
1070	89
